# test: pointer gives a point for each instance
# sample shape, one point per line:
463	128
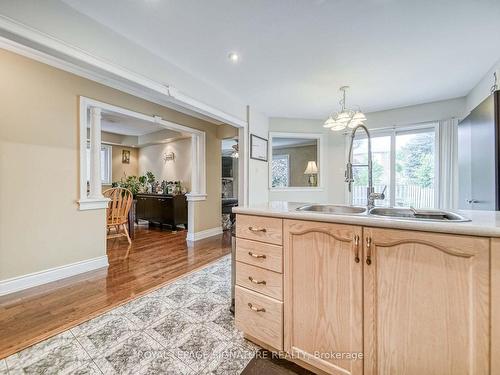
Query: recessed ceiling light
233	57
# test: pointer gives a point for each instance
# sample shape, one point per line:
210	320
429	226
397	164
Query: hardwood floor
154	259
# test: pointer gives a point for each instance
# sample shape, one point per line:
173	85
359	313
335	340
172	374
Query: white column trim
204	234
198	150
95	154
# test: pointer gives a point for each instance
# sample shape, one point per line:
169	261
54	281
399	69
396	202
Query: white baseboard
196	236
16	284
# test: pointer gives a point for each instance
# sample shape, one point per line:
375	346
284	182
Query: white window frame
321	160
108	172
393	132
287	157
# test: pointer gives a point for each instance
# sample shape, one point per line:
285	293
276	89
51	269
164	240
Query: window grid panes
280	171
105	164
402	161
381	160
415	170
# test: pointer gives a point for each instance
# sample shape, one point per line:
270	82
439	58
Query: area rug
182	328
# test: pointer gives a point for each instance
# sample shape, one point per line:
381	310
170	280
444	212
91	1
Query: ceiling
292	142
126	125
296	54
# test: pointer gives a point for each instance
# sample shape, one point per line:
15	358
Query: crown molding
32	43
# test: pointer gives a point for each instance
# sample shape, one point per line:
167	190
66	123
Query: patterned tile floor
182	328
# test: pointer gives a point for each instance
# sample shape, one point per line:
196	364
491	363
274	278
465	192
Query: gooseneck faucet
371	196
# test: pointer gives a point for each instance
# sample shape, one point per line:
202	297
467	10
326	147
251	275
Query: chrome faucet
371	196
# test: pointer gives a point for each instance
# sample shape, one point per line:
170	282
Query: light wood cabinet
260	280
323	294
426	303
259	228
411	302
260	254
259	316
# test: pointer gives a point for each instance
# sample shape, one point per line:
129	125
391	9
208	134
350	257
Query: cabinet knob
256	309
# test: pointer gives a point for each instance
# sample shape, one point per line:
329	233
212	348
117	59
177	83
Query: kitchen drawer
260	254
259	228
260	280
266	324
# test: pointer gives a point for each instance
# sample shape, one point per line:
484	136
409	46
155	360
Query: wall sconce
168	157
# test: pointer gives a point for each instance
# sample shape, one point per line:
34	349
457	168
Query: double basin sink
394	213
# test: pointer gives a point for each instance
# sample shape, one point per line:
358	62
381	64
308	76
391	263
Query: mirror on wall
295	161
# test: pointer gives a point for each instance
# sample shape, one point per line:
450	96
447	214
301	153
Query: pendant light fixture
345	118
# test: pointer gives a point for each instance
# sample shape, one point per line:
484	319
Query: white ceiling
292	142
295	54
125	125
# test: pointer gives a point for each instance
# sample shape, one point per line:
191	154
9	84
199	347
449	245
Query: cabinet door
426	303
140	208
323	295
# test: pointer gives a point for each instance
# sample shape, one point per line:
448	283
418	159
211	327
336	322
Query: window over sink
404	160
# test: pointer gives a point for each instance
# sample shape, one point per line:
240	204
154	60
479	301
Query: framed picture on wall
125	156
258	148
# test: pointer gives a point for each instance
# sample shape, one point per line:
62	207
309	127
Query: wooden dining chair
117	212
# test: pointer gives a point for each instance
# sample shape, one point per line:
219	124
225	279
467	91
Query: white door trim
198	169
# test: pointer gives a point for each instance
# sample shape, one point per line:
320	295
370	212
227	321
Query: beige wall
39	167
121	170
179	169
225	131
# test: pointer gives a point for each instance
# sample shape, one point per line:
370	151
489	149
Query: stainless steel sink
332	209
424	215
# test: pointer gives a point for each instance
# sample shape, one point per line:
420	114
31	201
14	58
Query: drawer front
266	324
260	254
260	280
259	228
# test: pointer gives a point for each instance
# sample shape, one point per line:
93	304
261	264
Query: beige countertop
483	223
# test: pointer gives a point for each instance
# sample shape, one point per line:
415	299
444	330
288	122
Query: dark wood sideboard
162	209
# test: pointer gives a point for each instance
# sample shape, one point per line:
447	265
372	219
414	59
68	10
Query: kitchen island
354	294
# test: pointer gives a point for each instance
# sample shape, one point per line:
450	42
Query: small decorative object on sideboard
151	181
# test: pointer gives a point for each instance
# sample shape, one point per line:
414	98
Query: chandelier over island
345	118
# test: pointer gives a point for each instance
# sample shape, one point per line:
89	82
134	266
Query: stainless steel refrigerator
478	157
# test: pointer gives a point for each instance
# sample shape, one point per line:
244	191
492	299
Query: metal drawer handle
258	256
252	229
356	246
263	282
368	250
256	309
